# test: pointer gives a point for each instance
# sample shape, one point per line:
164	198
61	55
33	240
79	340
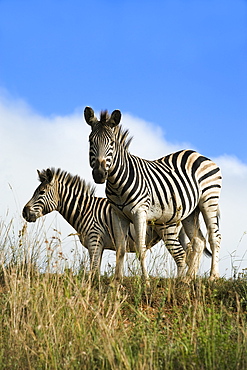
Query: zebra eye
42	192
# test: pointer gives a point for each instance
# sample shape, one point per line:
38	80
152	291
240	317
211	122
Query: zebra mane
67	178
120	133
122	136
104	117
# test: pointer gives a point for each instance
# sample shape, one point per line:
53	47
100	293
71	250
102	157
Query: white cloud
233	212
148	140
30	141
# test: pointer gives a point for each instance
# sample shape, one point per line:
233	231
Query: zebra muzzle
99	175
28	214
99	172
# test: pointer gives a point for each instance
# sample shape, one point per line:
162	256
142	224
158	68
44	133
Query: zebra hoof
183	282
116	284
214	277
147	283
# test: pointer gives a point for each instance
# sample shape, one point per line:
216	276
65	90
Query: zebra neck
122	173
74	205
120	165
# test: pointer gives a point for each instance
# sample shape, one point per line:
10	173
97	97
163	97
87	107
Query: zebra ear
49	175
89	116
115	118
45	175
41	175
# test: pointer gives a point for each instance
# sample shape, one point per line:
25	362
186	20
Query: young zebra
90	216
167	192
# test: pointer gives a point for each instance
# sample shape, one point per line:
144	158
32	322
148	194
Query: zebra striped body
90	216
168	191
164	201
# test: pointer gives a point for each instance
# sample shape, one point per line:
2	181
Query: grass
52	320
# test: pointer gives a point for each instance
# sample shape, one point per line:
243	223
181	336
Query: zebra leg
95	249
183	239
196	246
210	215
140	226
120	230
170	236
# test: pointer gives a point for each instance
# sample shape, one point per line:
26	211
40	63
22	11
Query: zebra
167	192
90	216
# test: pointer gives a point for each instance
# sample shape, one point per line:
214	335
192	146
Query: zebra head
102	140
44	199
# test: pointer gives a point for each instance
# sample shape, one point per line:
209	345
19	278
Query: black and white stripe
90	216
168	191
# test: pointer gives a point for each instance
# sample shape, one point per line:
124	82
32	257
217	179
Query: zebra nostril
99	176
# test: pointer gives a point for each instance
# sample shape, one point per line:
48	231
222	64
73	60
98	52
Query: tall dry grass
59	319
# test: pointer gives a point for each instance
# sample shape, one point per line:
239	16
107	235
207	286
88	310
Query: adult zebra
166	192
90	216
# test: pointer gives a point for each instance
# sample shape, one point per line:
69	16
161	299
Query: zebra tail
207	252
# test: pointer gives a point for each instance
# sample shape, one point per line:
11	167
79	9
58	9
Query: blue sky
177	69
177	64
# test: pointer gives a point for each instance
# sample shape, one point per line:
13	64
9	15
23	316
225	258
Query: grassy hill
69	321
